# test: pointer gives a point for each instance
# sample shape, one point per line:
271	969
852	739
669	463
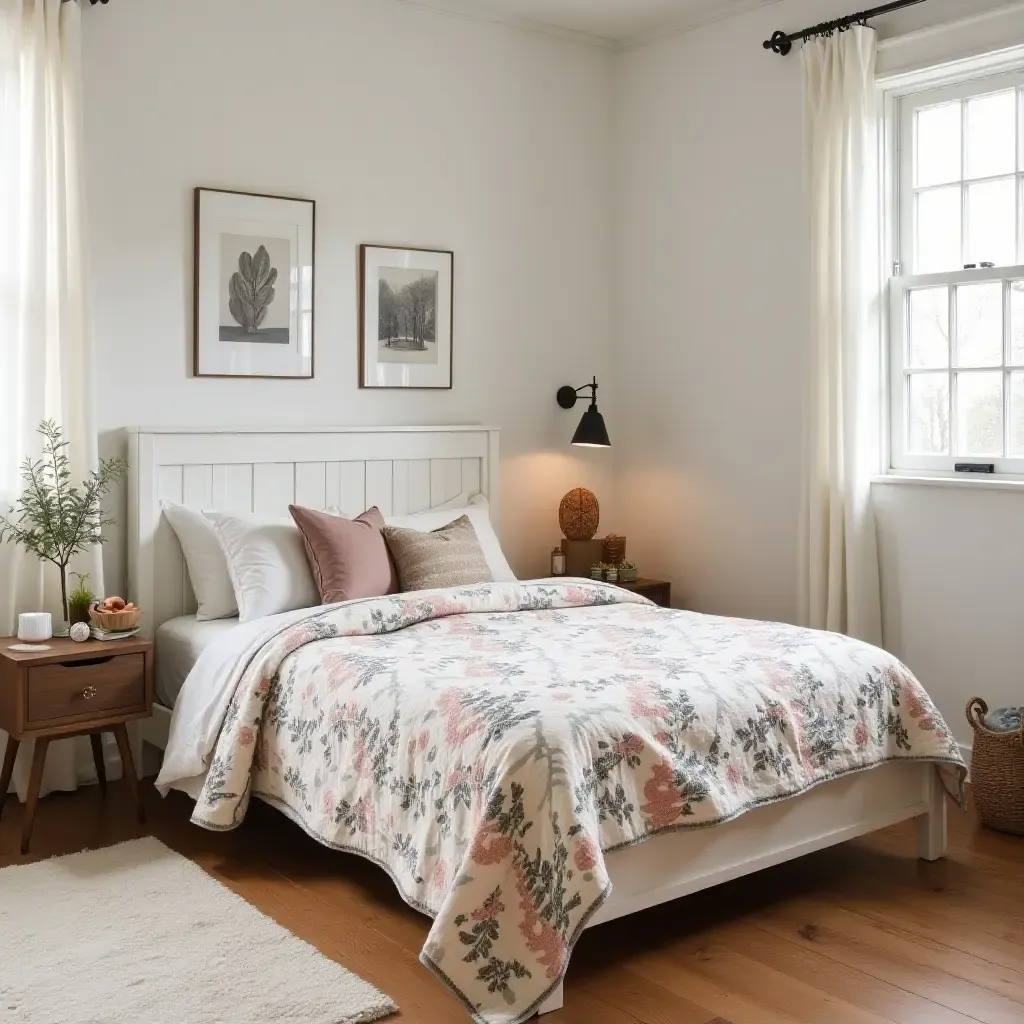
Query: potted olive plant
54	519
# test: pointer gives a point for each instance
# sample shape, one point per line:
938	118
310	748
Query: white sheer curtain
45	346
839	582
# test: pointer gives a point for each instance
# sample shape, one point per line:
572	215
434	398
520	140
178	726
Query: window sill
973	482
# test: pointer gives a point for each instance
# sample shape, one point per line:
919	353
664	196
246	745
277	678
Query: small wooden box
580	555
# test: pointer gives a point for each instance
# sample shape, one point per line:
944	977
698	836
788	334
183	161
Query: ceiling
616	22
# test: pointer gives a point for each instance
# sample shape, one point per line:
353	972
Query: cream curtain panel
839	582
45	346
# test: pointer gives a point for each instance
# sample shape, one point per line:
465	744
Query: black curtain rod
782	43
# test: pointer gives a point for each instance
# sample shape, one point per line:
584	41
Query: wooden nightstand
73	689
658	591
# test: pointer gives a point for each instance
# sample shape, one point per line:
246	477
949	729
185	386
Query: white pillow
207	567
267	564
479	515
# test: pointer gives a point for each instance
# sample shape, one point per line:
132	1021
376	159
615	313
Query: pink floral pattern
488	745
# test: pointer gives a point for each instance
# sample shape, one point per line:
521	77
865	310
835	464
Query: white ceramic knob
34	627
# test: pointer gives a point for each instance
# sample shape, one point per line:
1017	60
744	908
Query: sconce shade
592	433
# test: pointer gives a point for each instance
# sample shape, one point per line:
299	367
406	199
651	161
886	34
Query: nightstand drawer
86	688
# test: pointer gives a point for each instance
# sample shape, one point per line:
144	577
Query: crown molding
708	12
486	11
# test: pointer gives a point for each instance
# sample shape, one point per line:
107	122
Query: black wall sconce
591	433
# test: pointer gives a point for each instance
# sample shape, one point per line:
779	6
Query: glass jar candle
557	562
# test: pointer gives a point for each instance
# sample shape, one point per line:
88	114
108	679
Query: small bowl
114	621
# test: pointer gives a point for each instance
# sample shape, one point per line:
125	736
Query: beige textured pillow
447	557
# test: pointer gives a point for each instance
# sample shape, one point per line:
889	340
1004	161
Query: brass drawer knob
89	692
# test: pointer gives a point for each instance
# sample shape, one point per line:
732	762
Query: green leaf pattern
251	289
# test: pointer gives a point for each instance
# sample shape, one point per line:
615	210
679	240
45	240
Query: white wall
411	126
406	126
952	566
711	268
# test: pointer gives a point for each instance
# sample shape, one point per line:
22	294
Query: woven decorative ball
579	514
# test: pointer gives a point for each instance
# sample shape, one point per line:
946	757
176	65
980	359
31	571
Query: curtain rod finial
779	43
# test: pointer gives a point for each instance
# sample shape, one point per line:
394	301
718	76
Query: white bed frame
409	469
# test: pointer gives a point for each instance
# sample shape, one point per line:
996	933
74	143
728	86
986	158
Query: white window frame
901	103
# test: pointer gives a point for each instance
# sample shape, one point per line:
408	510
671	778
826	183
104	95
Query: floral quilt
489	745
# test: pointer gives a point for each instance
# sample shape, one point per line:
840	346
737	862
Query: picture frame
253	285
406	316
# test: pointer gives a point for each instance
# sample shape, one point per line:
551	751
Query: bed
550	793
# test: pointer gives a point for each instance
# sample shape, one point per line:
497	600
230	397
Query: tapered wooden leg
96	739
32	799
10	753
124	748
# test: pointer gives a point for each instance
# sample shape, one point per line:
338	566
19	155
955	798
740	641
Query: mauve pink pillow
348	557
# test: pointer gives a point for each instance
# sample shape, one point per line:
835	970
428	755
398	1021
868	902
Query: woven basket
115	621
997	772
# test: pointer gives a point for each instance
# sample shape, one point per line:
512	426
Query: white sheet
206	692
179	642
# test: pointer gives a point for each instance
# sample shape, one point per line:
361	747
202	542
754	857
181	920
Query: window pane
928	414
1016	414
992	222
991	134
938	145
979	413
979	324
929	328
938	231
1017	323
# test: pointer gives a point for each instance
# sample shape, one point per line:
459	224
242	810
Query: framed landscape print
253	297
405	317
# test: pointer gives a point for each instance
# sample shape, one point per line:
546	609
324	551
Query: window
957	293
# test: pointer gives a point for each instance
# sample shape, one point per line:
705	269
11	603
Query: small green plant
53	519
81	594
628	566
80	599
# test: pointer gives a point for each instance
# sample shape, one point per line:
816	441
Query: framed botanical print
253	301
405	317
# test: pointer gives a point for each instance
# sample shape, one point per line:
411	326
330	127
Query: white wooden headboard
263	470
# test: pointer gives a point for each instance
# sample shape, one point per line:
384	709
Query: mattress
179	642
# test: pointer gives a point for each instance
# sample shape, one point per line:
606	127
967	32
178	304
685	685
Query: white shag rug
136	934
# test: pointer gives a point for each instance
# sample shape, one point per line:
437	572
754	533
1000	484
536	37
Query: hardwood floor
860	934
